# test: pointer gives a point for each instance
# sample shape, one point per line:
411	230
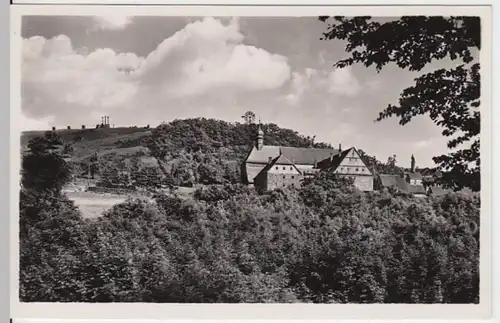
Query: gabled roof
333	161
396	181
301	156
414	176
280	160
389	180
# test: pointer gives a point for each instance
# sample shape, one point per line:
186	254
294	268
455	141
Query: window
284	176
277	167
357	169
284	168
291	168
293	177
284	184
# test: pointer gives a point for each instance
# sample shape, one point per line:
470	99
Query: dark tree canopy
450	97
43	166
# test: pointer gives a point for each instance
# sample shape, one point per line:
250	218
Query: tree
94	165
43	166
391	161
450	97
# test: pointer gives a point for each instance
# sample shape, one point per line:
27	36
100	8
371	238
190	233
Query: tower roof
260	132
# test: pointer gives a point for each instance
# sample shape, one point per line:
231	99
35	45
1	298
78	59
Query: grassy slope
123	141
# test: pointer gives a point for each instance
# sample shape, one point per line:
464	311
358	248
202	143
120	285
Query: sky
148	70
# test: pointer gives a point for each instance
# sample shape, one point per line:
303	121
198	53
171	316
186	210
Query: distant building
399	183
271	167
410	182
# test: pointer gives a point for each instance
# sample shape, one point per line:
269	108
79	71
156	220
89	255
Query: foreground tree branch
450	97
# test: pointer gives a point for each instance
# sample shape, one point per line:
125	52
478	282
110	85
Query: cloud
56	79
323	83
300	83
422	144
341	81
208	55
112	22
206	59
26	123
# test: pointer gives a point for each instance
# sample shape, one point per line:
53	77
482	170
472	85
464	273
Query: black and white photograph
319	159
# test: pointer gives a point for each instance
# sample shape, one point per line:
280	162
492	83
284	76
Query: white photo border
256	311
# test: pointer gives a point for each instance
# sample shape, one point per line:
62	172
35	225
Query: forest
325	242
183	152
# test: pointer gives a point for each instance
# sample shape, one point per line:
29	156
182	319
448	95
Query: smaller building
271	167
348	163
414	178
399	183
280	172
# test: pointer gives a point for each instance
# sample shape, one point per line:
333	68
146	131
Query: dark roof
416	189
389	180
398	182
415	175
430	172
301	156
275	161
282	160
333	161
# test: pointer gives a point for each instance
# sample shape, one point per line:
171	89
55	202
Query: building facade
271	167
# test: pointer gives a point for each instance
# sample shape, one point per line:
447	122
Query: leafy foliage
325	243
43	166
450	97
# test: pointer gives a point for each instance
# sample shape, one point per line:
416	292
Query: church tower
412	164
260	138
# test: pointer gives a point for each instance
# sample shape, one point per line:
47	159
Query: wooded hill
193	151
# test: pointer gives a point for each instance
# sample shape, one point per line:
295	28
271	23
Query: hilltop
87	141
200	150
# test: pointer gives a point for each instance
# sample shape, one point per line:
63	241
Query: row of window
342	169
284	168
346	168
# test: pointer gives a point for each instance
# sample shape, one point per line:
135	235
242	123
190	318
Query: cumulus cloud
26	123
206	58
207	55
56	79
300	83
341	81
325	83
113	22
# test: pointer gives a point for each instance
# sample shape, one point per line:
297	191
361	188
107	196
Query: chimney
269	159
412	164
340	147
69	127
315	164
53	128
83	126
